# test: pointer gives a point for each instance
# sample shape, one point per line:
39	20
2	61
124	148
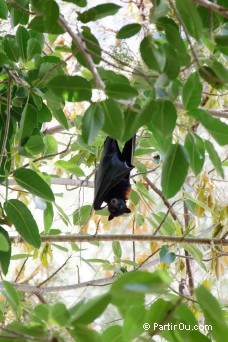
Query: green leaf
153	54
5	250
174	38
40	24
18	16
82	215
11	296
191	18
135	284
214	157
71	88
59	314
21	217
172	66
11	48
31	181
114	119
196	254
133	121
120	91
166	256
128	31
3	58
34	144
192	90
196	152
174	170
98	12
163	118
48	217
79	3
22	37
213	313
3	9
91	310
54	104
27	123
70	168
92	122
51	145
33	48
92	44
4	242
116	248
217	128
110	77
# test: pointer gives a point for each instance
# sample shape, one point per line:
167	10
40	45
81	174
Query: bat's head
117	207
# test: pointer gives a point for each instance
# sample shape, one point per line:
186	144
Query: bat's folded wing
110	172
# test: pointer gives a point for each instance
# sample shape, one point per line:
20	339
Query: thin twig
54	273
213	7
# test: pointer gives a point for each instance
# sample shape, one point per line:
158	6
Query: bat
112	179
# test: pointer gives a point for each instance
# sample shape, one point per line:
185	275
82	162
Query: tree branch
81	47
213	112
64	181
213	7
130	237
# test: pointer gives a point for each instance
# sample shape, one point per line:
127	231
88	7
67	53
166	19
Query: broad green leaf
98	12
174	38
3	9
174	170
133	120
27	123
111	77
114	119
59	314
192	90
82	333
5	250
81	215
91	310
31	181
22	219
4	242
54	103
51	145
157	312
48	217
196	254
80	3
92	122
22	37
33	48
196	152
11	296
34	144
71	88
166	256
217	128
17	16
172	66
116	248
70	168
44	114
120	91
136	284
191	18
214	157
3	58
153	54
128	31
94	47
213	313
11	48
40	25
163	118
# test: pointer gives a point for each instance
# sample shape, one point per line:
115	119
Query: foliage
171	93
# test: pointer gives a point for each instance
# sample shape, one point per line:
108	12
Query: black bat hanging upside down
112	180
